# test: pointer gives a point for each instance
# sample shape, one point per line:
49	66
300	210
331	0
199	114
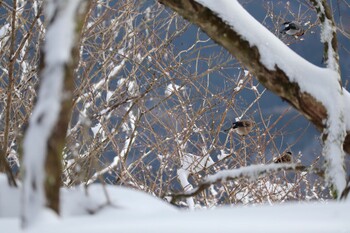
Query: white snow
134	211
182	175
170	88
252	171
327	30
95	129
109	95
239	85
60	34
195	164
116	69
246	72
4	34
346	96
133	88
9	199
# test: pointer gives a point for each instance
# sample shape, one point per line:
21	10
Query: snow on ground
136	211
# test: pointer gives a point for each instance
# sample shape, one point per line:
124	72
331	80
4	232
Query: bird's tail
226	130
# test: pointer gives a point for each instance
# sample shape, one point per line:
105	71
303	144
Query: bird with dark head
292	29
286	157
242	128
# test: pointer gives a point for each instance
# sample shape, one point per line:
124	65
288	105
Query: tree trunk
56	143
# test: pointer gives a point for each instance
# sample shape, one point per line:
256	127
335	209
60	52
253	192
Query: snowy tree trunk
45	137
334	134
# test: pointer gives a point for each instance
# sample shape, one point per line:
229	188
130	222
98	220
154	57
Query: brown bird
242	128
284	158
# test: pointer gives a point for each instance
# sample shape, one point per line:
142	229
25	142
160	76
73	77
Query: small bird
292	29
286	157
241	127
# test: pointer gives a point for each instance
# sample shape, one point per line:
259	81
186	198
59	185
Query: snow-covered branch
252	172
272	62
310	89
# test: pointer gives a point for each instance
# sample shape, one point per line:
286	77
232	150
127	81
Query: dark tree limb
275	80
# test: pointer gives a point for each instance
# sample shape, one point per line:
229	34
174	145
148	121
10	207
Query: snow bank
135	211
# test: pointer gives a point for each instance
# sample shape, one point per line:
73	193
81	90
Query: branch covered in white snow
312	90
252	172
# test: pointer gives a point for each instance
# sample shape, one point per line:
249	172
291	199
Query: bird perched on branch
286	157
292	29
241	127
